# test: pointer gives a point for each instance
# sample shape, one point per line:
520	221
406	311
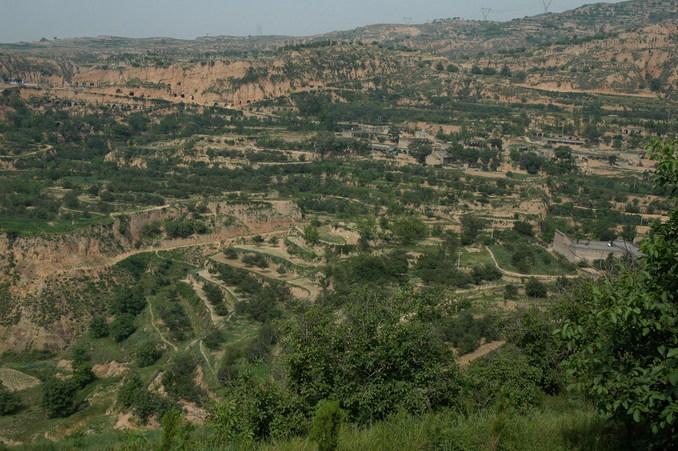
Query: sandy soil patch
66	365
110	369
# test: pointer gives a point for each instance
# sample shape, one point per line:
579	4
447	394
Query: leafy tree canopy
625	343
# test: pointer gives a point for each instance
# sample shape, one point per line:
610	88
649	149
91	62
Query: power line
486	12
516	10
547	5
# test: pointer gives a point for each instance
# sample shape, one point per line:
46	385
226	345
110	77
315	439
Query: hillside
640	62
450	37
439	236
454	37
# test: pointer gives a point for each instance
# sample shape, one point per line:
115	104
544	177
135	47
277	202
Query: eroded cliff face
621	64
46	296
225	83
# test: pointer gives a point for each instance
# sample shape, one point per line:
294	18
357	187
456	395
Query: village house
438	158
570	140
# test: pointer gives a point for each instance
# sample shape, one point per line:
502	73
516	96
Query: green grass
277	259
552	427
239	330
195	308
33	226
299	250
473	259
32	422
520	176
559	424
326	236
545	262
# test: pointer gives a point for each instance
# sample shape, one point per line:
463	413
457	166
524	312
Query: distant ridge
449	37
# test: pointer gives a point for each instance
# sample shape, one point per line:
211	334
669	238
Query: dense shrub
58	396
178	379
9	401
147	353
372	361
122	327
98	327
535	289
129	300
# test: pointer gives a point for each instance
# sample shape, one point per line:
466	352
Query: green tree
506	379
372	361
471	227
524	228
58	396
98	327
419	150
175	434
409	230
367	230
257	260
626	342
122	327
9	401
213	293
129	390
257	408
326	423
129	300
510	291
628	233
311	234
148	353
178	379
535	289
80	355
83	374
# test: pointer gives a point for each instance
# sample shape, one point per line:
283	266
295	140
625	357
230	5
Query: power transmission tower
486	12
407	20
547	5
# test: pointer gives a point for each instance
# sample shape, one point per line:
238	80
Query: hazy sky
30	20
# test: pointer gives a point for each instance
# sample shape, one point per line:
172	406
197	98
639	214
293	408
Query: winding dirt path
301	283
205	274
47	148
482	350
201	346
273	252
157	329
197	288
165	247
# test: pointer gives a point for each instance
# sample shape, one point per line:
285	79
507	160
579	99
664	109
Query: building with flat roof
586	250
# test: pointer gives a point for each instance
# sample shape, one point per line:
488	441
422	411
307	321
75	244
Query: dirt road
483	350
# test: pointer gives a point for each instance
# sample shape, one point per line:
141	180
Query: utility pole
486	12
547	5
459	260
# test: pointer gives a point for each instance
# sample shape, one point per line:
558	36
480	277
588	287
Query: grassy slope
559	424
